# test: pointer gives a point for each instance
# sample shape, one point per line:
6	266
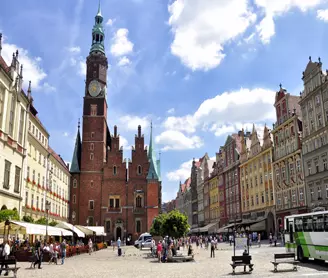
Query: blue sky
199	69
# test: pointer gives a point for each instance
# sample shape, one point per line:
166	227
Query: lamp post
48	204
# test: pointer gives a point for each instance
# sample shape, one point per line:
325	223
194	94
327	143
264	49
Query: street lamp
48	204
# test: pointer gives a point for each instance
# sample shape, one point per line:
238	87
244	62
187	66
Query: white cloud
182	173
124	143
176	140
222	113
47	88
74	49
170	111
121	44
32	70
266	27
65	134
110	22
124	61
322	15
82	69
202	27
187	77
130	122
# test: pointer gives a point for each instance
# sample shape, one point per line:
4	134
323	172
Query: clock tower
95	104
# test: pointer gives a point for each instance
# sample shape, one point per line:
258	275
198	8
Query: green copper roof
98	34
76	160
153	164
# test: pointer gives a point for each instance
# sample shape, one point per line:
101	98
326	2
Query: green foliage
173	224
27	218
8	214
156	227
42	221
53	223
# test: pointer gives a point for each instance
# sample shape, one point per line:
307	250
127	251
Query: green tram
307	235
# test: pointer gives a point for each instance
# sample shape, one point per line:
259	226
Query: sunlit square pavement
134	263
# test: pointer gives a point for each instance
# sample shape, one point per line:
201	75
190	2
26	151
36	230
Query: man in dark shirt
38	254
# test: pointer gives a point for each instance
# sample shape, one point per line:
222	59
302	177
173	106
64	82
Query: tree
8	214
156	227
27	218
42	221
173	224
53	223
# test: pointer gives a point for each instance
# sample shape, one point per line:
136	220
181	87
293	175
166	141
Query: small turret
29	93
76	160
98	34
0	43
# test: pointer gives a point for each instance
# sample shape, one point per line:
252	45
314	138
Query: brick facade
105	190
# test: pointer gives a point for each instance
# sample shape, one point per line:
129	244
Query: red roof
4	64
187	182
58	158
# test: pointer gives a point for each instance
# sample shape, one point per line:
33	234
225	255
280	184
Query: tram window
318	224
299	224
307	224
326	222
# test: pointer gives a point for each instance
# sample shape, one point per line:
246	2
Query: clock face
94	88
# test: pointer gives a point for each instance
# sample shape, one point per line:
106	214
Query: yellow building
214	197
13	117
47	177
258	202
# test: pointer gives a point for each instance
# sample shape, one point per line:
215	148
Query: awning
222	230
206	228
85	230
229	226
34	229
259	226
69	226
99	230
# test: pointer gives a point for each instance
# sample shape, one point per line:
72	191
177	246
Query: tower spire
0	43
98	34
153	172
76	160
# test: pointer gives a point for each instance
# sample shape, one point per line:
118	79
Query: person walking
259	239
63	251
212	248
5	254
38	253
90	246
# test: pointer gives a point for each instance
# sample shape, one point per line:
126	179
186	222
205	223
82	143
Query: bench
289	259
9	265
244	260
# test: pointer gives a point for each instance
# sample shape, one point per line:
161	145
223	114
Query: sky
198	69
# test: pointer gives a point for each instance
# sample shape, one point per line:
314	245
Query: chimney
139	131
115	131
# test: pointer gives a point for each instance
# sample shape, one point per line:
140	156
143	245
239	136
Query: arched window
74	183
114	170
138	202
139	170
74	199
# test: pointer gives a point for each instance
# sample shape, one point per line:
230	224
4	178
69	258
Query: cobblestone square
134	263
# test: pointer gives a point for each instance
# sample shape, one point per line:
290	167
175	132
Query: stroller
54	257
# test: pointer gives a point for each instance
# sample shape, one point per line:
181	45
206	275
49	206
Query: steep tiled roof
3	64
187	183
58	158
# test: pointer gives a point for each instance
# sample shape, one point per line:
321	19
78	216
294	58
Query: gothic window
139	170
138	201
107	226
91	156
74	183
114	170
91	204
6	178
92	146
93	110
74	199
138	226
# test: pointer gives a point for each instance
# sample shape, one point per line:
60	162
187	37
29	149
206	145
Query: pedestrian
118	243
5	254
90	246
38	253
259	239
212	249
63	250
270	239
152	245
159	251
275	240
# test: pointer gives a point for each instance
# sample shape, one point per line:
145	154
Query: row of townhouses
261	179
34	179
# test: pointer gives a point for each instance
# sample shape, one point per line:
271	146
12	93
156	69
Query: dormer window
114	170
139	170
